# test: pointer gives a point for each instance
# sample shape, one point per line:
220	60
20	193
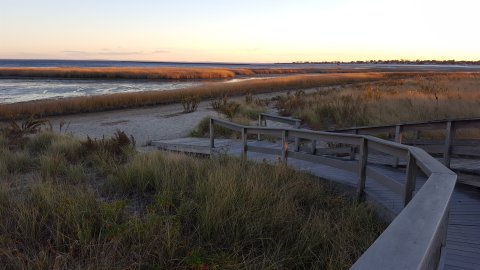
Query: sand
144	124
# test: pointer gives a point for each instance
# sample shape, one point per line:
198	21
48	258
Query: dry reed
418	98
165	73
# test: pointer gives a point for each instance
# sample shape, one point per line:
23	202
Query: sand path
152	123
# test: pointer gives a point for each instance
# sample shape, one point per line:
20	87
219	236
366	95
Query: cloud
104	52
114	53
75	52
160	51
119	53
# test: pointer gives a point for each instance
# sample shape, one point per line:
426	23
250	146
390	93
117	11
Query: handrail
399	246
464	122
262	121
287	120
449	125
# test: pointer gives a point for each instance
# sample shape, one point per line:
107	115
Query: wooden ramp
463	236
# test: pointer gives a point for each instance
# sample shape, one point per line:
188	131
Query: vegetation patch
99	204
417	98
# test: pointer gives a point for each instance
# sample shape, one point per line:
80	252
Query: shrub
16	132
116	145
190	103
248	98
219	102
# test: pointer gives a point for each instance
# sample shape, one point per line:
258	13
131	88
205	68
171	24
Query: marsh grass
172	211
160	73
204	91
419	98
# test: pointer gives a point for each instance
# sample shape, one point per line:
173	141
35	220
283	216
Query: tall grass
172	211
162	73
420	98
165	73
205	91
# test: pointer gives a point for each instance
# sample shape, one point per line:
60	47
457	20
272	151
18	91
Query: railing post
362	168
418	133
259	125
297	140
314	147
212	142
244	143
398	139
285	146
410	178
353	148
450	135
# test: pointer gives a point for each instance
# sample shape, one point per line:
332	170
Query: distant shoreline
373	64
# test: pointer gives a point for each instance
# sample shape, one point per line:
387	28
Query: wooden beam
410	178
449	136
244	143
398	139
353	148
212	142
362	168
297	139
285	146
259	124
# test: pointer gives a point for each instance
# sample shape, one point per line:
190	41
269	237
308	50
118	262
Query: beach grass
65	209
205	91
417	98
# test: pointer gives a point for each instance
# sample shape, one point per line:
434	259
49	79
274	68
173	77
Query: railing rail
415	238
281	119
262	122
451	126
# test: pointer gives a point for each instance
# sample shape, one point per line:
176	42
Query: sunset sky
239	31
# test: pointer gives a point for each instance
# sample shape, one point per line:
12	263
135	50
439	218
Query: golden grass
165	73
204	91
418	98
120	73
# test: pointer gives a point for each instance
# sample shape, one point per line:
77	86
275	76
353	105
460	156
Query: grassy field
418	98
205	91
66	203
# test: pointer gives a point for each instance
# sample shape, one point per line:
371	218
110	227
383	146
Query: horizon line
240	63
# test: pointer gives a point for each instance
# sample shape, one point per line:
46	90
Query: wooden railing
415	238
262	122
448	147
263	117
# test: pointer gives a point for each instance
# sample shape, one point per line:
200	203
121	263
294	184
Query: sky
240	31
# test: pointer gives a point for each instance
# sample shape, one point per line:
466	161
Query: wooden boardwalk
463	236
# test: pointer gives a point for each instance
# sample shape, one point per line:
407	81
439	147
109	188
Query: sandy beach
144	124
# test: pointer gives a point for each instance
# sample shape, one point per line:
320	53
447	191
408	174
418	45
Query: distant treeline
401	61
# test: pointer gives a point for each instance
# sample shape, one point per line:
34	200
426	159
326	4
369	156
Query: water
103	63
19	90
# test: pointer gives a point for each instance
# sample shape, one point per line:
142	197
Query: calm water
18	90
